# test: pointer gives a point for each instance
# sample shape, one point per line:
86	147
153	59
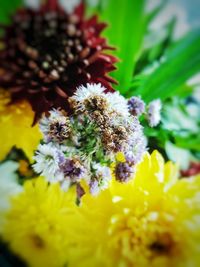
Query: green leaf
126	27
181	62
191	142
151	55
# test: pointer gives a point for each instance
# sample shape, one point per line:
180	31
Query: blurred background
192	10
186	12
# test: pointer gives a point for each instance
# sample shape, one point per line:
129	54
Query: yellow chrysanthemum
15	125
153	220
36	226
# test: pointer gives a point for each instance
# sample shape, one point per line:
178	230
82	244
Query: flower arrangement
84	145
100	156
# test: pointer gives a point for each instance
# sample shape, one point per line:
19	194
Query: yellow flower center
37	241
138	239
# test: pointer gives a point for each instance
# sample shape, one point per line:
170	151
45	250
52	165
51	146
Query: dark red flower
48	53
193	169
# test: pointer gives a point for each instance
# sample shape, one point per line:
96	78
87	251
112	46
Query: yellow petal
16	129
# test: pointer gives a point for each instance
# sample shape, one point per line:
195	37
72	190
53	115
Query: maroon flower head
48	53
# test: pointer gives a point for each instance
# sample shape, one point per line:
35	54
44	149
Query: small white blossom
44	123
104	173
55	115
136	106
47	162
118	103
84	92
101	179
154	112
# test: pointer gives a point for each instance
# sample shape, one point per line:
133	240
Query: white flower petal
47	162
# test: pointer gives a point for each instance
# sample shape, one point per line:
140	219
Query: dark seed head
50	49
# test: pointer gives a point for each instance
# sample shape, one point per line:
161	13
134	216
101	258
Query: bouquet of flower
100	144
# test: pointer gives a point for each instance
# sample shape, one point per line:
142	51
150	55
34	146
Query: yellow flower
36	225
15	125
153	220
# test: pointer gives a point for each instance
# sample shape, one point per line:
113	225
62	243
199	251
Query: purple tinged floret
73	169
94	187
124	171
136	106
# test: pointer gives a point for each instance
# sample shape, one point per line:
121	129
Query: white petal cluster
104	175
84	92
116	102
154	112
45	122
47	162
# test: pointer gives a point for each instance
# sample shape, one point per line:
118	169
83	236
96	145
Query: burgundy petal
48	53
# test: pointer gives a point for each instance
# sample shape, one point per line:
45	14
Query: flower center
48	43
48	53
37	241
141	238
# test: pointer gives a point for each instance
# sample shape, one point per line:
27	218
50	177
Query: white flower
102	179
46	121
8	187
47	160
118	103
84	92
104	173
69	5
154	112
